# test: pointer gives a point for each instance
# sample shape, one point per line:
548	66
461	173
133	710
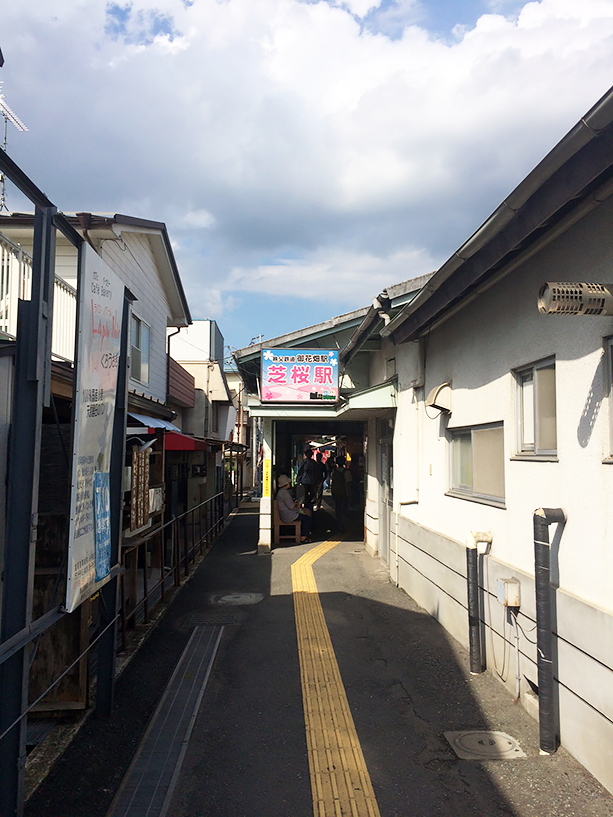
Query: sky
303	154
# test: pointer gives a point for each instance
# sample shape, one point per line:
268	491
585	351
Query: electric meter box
507	592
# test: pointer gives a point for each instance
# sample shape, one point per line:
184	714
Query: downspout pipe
472	585
542	519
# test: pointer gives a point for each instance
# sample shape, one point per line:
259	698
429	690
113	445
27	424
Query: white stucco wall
477	350
371	509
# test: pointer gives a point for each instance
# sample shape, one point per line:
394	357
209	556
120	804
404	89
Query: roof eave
578	163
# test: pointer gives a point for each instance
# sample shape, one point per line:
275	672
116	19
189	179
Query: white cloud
198	218
360	7
261	132
210	303
341	277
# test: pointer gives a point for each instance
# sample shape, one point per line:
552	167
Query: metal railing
64	320
162	558
16	285
192	531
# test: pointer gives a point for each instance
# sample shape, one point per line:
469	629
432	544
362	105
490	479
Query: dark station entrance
332	439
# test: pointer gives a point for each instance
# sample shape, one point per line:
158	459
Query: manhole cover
236	599
482	745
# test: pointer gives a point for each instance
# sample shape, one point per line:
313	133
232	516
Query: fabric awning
176	441
154	422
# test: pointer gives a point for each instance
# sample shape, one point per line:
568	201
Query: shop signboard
299	376
100	299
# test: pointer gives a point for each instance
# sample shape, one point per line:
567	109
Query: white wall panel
133	259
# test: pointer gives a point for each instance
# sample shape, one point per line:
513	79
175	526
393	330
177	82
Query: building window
477	463
536	409
139	350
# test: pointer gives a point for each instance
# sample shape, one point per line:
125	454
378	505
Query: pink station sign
299	375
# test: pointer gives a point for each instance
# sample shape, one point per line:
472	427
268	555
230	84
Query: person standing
306	479
319	485
340	487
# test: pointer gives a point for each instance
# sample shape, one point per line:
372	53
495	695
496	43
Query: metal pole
548	731
175	550
185	545
474	623
236	478
145	546
31	388
107	647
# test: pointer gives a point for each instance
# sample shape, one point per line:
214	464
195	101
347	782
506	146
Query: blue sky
302	154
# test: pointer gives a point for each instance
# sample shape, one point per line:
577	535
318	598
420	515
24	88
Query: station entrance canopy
319	381
357	406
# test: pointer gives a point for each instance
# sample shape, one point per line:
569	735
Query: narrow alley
405	682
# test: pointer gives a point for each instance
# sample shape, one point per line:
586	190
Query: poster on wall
299	375
100	304
266	479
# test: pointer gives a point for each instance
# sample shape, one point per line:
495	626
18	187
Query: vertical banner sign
266	479
139	507
299	375
100	305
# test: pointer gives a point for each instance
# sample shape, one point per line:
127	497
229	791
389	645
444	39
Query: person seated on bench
289	511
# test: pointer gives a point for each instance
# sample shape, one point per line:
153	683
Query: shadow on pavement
406	682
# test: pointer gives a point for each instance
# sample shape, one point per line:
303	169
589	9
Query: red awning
175	441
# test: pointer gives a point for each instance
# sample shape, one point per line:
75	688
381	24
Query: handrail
206	520
177	518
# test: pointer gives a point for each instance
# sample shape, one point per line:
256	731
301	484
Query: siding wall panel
134	261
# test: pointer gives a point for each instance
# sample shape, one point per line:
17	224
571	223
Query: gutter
379	309
515	217
394	297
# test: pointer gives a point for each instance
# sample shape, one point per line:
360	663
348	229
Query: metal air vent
566	298
440	397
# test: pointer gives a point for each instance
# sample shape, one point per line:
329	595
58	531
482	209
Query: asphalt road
406	680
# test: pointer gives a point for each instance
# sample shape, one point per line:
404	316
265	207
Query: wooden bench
277	524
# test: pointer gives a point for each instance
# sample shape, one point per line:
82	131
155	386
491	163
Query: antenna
9	116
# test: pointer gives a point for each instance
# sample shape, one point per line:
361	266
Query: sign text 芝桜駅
299	375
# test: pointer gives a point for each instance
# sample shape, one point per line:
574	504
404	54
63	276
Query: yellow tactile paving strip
339	778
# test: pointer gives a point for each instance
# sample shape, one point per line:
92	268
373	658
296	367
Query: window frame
141	323
466	491
533	451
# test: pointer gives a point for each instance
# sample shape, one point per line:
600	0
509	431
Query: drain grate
204	619
148	785
484	745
